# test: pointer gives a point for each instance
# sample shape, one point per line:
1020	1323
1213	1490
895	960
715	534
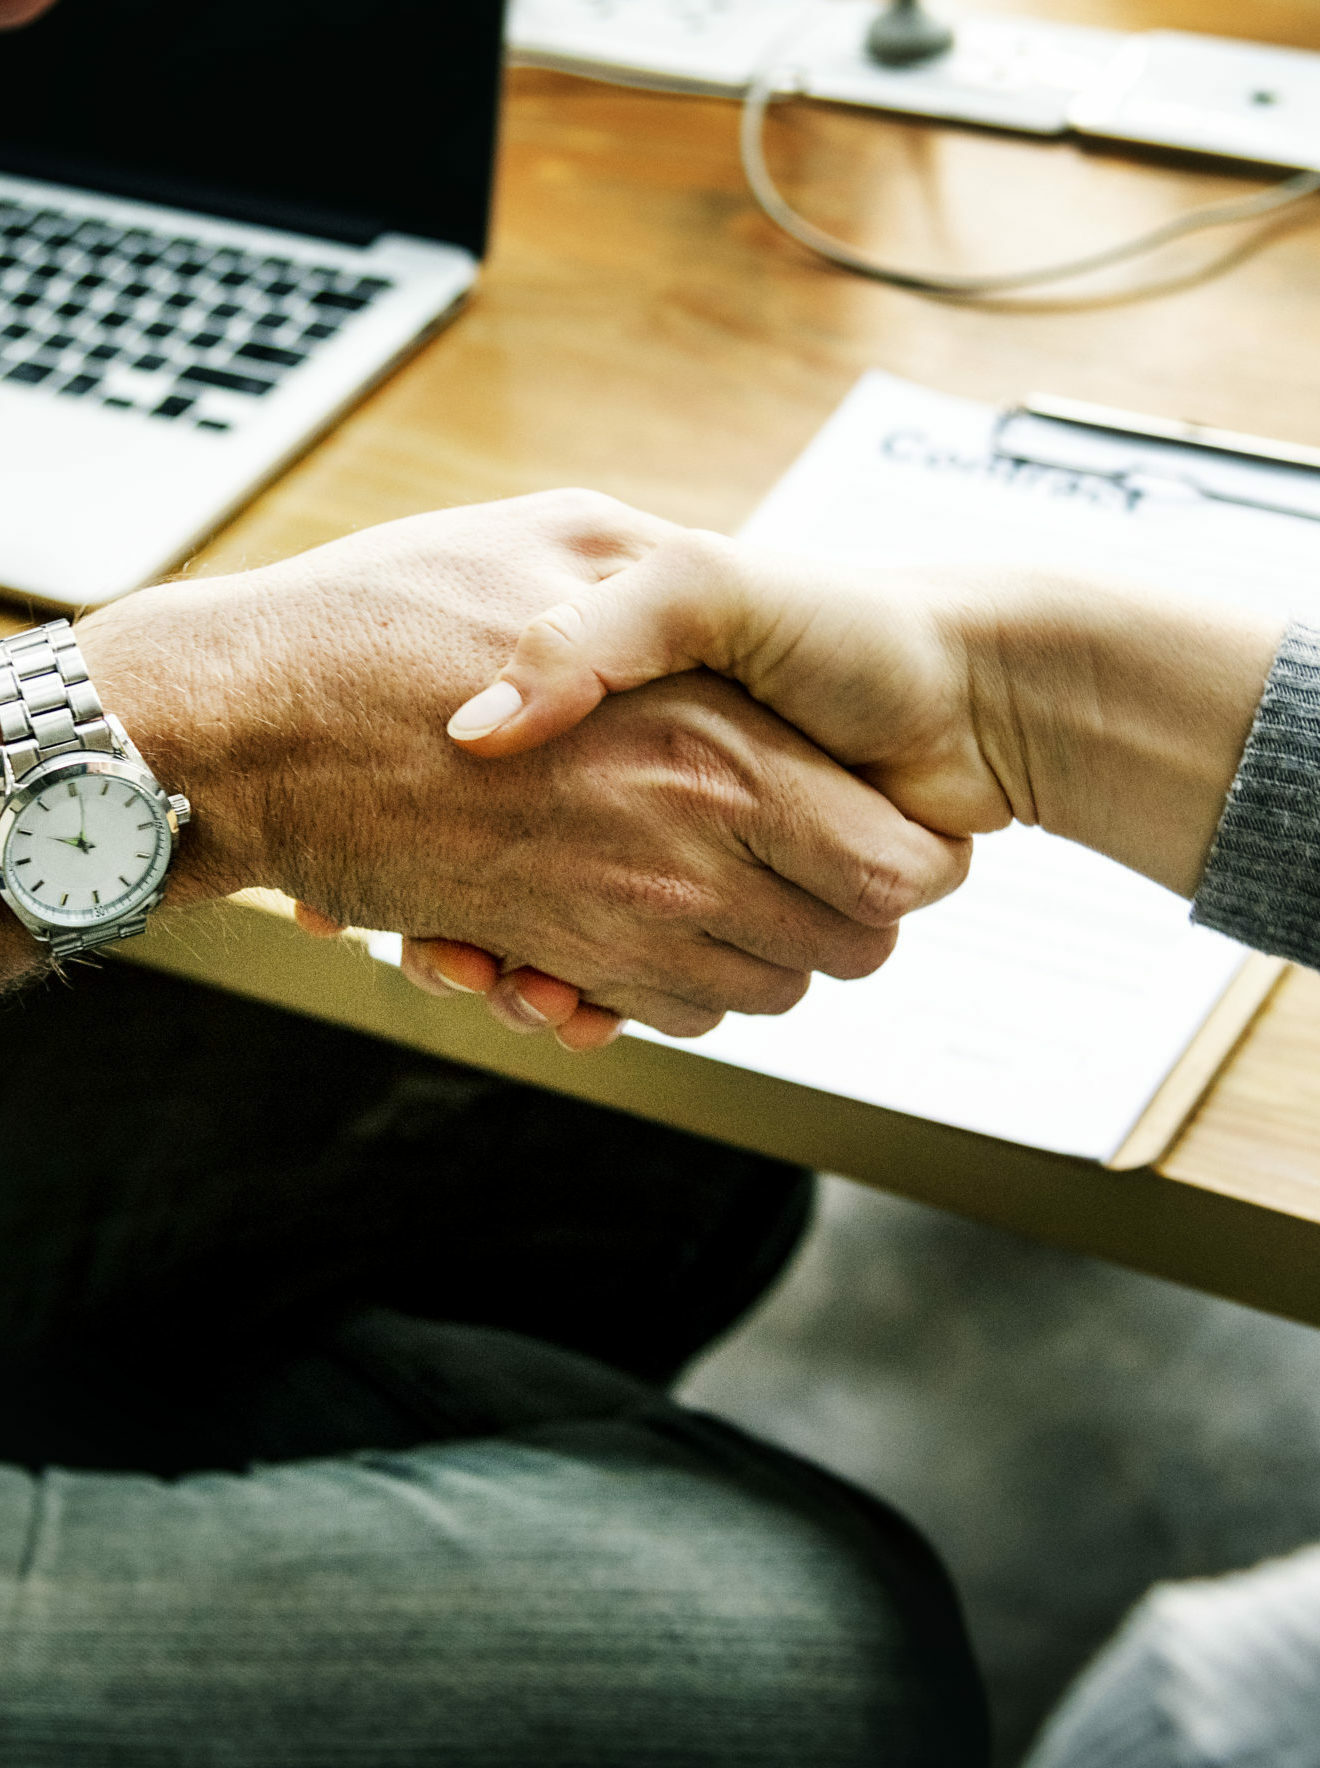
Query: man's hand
21	12
1112	715
684	854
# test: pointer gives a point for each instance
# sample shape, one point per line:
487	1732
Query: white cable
768	81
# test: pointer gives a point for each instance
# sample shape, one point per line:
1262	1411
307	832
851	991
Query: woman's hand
523	1000
1110	714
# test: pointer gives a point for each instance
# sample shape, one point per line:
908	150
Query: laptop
220	222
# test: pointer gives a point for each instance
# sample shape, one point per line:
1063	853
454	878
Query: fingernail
485	712
591	1049
525	1010
458	987
430	980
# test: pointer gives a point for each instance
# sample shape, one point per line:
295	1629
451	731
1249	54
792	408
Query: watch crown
181	808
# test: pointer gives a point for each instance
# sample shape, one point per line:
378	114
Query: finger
588	1028
529	1000
314	922
844	844
711	975
678	609
447	966
780	922
662	1012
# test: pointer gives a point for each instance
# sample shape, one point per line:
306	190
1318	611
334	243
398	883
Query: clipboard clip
1131	451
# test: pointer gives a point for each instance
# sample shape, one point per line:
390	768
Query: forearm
1116	717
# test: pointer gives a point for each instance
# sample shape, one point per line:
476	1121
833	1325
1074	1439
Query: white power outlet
1164	88
1022	74
1209	95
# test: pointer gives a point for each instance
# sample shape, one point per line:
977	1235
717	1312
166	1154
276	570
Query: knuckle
885	893
653	896
693	552
704	777
574	504
544	639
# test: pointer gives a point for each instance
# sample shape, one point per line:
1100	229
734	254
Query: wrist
1115	716
169	675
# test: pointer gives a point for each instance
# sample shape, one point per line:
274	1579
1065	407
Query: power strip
1169	89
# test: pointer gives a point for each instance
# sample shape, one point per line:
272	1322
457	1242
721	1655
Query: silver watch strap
49	707
47	704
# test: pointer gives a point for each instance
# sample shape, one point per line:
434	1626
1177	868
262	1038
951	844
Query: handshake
597	766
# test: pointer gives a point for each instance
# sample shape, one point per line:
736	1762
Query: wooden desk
640	329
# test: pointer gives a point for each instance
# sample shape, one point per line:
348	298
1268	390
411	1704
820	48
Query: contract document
1046	1001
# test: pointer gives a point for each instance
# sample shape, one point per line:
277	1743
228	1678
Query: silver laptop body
159	359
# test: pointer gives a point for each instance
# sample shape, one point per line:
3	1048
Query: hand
21	12
1111	715
685	854
524	1000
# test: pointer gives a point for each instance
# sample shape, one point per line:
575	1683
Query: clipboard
1222	465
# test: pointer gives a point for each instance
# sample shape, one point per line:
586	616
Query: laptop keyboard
183	330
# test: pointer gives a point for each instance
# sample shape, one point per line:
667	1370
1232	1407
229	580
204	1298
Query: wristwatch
87	831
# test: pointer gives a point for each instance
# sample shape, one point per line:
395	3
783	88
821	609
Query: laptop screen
341	118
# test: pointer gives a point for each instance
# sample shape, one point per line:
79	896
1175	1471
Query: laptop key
150	364
344	303
103	353
278	358
80	385
174	406
200	375
30	373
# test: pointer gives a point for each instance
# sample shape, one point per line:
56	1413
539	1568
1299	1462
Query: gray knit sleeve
1262	881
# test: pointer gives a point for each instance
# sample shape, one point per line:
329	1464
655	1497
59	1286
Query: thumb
671	612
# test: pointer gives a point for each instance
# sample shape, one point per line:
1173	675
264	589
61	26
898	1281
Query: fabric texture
1262	880
1213	1673
284	1489
585	1574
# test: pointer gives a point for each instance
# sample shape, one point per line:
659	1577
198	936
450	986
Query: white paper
1046	1001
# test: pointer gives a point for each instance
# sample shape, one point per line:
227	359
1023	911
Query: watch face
86	849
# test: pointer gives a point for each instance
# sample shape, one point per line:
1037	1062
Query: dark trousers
334	1419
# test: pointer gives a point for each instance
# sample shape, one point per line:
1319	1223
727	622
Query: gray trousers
264	1504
